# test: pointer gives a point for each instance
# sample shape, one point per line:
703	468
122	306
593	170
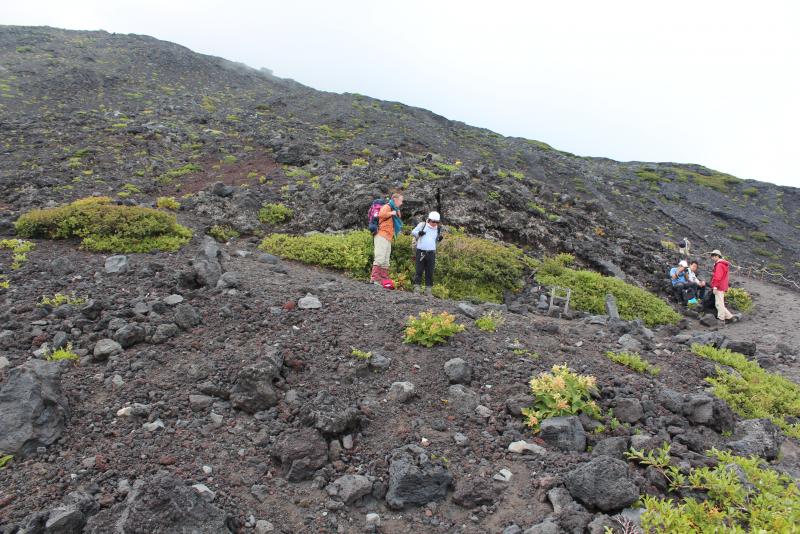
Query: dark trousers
426	260
684	292
699	292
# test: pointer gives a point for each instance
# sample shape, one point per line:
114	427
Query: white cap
434	216
683	263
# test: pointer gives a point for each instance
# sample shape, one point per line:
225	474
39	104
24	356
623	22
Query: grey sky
713	82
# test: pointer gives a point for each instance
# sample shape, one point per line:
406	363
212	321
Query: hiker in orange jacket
719	285
389	225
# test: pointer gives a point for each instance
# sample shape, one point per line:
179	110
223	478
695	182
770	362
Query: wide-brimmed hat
715	252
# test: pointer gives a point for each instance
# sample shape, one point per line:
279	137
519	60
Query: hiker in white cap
680	282
426	235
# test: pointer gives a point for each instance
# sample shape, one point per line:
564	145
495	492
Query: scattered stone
504	475
33	409
614	446
253	390
414	480
462	399
458	371
309	302
65	520
117	264
756	437
373	519
60	340
162	504
61	266
4	362
105	348
199	403
603	483
186	317
473	492
229	280
470	311
483	411
522	446
264	527
268	258
628	410
129	335
173	300
155	425
300	453
164	332
629	343
134	410
545	527
611	307
401	391
350	488
379	363
564	433
515	404
460	438
204	492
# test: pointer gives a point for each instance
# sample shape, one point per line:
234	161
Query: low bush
360	354
466	267
106	227
589	290
736	495
490	322
274	213
751	391
167	203
222	232
19	251
60	298
5	459
429	329
739	299
561	392
633	361
64	353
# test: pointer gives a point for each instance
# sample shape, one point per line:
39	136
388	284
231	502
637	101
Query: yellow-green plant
634	361
589	290
490	321
167	203
19	250
4	283
60	298
558	393
429	329
63	353
359	162
222	232
739	495
275	213
4	459
360	354
739	299
106	227
751	391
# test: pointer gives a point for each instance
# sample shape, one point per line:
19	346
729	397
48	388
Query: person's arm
386	213
715	277
419	230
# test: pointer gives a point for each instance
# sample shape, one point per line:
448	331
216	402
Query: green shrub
589	290
59	298
650	176
223	233
759	236
64	353
360	354
738	237
669	245
4	283
736	495
274	213
106	227
167	203
466	267
359	162
490	322
562	392
766	253
750	192
429	329
169	177
4	459
634	361
19	251
751	391
739	299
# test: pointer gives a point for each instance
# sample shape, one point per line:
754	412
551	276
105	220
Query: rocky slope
216	389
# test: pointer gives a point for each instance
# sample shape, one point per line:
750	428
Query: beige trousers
383	249
719	300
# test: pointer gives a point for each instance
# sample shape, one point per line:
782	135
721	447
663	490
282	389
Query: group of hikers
385	223
690	289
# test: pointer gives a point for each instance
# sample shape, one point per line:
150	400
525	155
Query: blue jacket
680	279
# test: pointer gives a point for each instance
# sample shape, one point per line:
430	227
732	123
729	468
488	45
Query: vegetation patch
360	354
490	322
106	227
634	361
63	353
739	299
222	233
735	495
589	290
466	267
751	391
275	213
5	459
170	176
428	329
168	203
60	298
19	251
558	393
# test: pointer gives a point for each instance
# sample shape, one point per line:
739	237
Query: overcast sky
710	82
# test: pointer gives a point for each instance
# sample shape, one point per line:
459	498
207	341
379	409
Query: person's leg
382	250
680	291
420	266
722	312
430	263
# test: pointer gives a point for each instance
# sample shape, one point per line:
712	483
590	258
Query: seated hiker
697	285
680	284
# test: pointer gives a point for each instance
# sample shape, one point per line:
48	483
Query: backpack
372	214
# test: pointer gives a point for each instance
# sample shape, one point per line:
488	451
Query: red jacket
719	279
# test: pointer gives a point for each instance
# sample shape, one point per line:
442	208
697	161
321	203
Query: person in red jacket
719	285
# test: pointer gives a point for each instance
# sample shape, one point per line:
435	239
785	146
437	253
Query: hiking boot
417	288
429	291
